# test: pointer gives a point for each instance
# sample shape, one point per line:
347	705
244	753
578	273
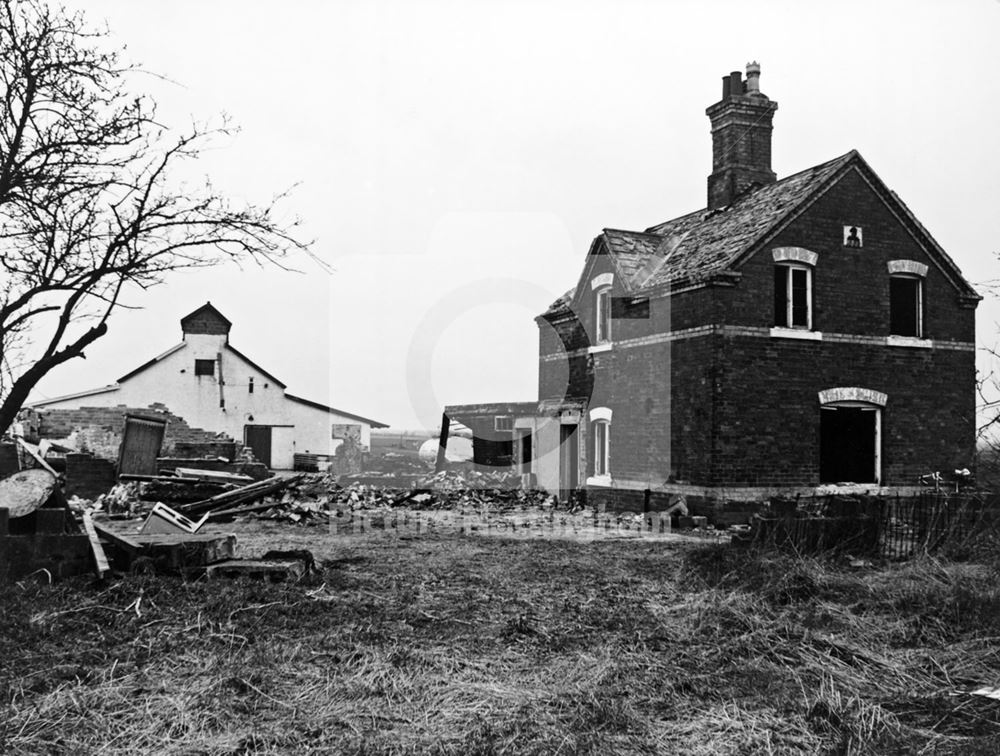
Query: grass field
454	644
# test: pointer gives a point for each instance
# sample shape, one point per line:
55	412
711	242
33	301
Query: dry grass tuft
460	645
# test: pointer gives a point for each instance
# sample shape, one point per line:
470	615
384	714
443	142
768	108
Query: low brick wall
98	430
88	476
199	449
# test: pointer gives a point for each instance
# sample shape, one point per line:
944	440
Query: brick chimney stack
741	138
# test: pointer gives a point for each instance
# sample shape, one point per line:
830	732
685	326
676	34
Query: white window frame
920	306
601	285
789	267
602	432
503	423
600	422
602	315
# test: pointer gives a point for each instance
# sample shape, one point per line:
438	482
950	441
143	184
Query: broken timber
230	499
183	553
100	559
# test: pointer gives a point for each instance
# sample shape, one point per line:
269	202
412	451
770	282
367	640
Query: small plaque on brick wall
853	236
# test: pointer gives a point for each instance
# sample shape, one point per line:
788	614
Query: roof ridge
628	231
798	174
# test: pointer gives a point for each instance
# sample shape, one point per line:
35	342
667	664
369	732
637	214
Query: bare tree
988	404
89	202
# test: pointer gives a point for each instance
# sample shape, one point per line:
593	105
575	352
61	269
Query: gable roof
206	309
334	411
255	366
695	247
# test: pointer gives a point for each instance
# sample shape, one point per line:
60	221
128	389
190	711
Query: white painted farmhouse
212	385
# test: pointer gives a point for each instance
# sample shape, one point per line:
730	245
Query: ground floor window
850	443
601	447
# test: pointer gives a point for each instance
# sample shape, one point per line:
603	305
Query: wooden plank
119	539
229	499
33	451
100	558
218	476
142	440
271	569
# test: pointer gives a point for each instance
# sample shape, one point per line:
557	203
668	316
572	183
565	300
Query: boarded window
792	296
204	367
904	306
503	423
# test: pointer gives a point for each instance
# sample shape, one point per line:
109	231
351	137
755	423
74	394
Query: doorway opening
850	443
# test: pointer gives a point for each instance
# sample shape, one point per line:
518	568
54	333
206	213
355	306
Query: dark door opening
526	451
258	438
847	452
569	454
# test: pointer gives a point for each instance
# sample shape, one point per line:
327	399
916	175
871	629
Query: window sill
796	333
599	480
913	342
597	348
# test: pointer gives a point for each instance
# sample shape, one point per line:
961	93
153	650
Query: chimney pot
753	77
741	138
735	83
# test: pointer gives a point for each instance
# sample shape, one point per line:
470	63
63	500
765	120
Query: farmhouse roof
693	248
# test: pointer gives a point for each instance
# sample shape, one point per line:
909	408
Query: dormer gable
206	320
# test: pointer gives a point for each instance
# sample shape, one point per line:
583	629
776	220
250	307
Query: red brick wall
744	410
100	428
850	286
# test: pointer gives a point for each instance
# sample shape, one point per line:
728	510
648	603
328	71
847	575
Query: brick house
794	335
214	388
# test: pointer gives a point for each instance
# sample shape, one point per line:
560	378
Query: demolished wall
98	430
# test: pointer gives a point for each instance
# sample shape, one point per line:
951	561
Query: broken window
793	296
603	315
601	456
849	444
204	367
905	306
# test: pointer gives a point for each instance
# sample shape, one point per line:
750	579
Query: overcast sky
453	161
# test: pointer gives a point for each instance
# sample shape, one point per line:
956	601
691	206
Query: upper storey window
792	296
793	285
601	286
906	298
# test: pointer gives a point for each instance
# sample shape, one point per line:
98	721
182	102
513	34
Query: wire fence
893	527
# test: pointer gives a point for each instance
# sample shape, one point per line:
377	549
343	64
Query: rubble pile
313	498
